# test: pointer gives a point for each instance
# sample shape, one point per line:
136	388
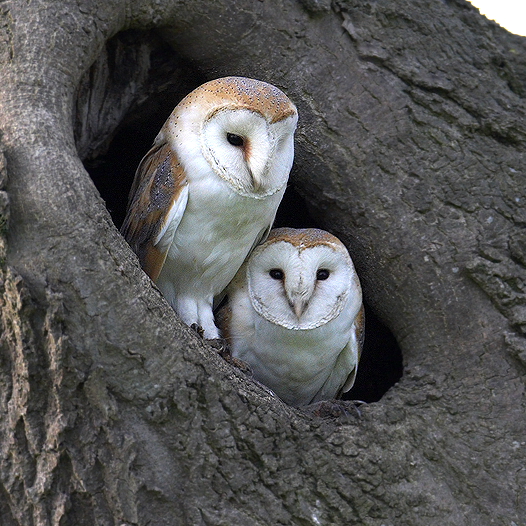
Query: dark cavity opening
122	102
115	126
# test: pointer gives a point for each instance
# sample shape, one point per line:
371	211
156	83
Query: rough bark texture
411	149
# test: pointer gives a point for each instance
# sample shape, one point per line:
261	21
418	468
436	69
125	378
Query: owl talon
236	362
335	409
219	344
198	329
240	364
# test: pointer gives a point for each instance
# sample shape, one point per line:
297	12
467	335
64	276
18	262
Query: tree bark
410	148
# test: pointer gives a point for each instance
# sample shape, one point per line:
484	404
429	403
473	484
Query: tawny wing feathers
157	201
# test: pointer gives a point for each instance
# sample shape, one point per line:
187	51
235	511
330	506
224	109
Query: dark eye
234	140
322	274
276	273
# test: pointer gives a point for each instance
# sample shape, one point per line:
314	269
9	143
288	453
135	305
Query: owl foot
236	362
198	329
335	409
219	344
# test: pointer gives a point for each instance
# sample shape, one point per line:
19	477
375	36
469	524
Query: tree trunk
410	148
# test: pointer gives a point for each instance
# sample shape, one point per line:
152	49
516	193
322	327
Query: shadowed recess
162	80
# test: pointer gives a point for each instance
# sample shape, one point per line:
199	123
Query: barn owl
294	313
207	191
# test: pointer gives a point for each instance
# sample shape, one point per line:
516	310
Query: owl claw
219	344
232	360
197	328
335	409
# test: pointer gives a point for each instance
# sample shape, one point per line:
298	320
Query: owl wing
157	202
353	350
223	319
341	380
261	238
235	317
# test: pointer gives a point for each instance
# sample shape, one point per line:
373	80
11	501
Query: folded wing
156	205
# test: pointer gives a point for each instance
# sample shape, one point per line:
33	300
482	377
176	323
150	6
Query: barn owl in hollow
295	315
207	191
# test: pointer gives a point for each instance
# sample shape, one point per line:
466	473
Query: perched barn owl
208	190
294	314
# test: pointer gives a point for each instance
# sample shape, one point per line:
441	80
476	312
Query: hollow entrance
122	131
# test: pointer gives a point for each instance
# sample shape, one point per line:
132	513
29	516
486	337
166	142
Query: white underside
300	366
214	236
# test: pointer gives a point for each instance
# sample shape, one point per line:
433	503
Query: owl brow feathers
304	237
232	106
266	99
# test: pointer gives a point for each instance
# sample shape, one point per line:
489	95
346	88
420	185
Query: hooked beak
299	302
255	180
299	308
256	172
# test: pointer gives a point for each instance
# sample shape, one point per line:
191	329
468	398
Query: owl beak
299	308
298	303
255	180
254	171
299	292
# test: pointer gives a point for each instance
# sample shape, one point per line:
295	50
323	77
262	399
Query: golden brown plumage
159	182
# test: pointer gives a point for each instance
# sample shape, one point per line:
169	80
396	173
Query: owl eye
276	273
322	274
234	140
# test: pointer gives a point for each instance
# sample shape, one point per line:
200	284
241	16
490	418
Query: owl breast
208	249
306	357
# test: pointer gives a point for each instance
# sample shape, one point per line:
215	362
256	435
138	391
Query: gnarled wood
410	149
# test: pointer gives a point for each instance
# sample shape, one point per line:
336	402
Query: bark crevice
410	149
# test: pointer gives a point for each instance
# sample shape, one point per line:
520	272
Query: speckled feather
240	92
304	237
158	182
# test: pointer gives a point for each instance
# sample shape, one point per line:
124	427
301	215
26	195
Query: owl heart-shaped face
301	285
240	129
254	156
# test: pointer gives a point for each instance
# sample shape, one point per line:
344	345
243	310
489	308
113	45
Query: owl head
301	279
243	129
